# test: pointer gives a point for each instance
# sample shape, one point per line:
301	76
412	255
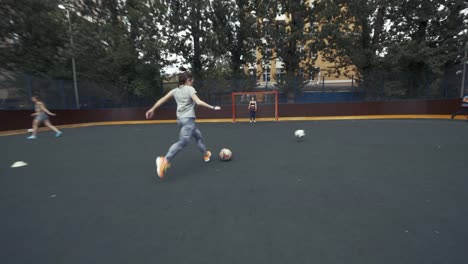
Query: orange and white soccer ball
225	154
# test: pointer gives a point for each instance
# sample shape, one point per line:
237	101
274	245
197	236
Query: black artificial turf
374	191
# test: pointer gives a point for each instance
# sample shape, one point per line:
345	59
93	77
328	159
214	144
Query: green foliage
432	39
290	39
34	33
384	34
351	32
126	44
188	32
234	34
114	42
414	37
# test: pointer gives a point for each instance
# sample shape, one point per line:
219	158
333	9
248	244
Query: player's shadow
299	140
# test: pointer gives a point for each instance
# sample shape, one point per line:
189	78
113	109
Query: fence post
29	87
382	88
426	81
62	93
323	83
465	61
444	83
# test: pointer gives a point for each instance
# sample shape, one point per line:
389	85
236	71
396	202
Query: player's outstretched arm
198	101
150	112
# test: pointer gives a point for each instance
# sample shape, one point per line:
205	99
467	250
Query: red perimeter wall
21	119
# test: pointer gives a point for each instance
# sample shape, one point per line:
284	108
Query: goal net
267	105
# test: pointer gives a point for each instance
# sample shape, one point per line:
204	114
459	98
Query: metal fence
16	90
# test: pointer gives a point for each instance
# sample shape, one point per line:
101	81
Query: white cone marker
19	164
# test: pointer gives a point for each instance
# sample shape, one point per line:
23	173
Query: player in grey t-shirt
186	99
185	104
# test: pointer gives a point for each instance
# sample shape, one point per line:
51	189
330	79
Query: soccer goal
267	105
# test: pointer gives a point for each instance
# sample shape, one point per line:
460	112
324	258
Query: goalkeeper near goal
252	109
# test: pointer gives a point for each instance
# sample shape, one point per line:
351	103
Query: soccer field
353	191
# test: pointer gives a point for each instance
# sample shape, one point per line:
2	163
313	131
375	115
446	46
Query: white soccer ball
225	154
299	133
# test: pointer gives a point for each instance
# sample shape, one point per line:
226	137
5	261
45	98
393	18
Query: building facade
325	72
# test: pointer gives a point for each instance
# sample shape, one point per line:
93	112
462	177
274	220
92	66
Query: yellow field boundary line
229	120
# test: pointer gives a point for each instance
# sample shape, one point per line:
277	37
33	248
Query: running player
463	110
41	116
186	99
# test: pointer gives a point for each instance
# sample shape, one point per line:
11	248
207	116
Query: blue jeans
188	130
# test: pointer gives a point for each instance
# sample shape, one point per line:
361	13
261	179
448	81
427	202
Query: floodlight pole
75	86
465	61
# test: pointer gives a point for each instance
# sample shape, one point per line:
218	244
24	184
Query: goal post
267	105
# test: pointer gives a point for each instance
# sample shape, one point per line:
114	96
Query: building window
280	74
266	74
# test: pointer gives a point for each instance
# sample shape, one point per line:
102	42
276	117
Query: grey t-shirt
185	104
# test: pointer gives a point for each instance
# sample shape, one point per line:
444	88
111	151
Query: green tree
115	42
189	33
233	45
234	33
425	35
424	42
295	44
120	43
33	34
350	32
407	39
288	34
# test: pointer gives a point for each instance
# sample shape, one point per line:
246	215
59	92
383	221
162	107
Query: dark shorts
252	114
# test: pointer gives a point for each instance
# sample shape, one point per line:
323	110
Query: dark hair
184	75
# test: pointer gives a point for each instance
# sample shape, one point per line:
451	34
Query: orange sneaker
207	156
161	166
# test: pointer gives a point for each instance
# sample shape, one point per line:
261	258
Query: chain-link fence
411	85
16	90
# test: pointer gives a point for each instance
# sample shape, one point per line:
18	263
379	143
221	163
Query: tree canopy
131	43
